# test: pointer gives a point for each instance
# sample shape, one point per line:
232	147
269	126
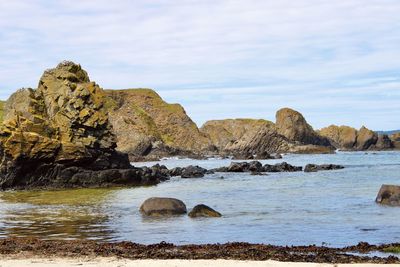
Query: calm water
335	208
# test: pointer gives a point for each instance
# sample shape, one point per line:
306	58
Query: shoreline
26	248
111	262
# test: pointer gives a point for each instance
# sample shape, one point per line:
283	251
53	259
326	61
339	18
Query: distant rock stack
348	138
53	134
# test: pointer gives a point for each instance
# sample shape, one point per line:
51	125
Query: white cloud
331	59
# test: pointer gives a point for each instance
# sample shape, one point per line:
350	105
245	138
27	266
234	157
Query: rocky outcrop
58	135
323	167
347	138
395	138
224	133
257	167
158	206
295	128
342	137
389	195
193	172
365	139
203	211
148	127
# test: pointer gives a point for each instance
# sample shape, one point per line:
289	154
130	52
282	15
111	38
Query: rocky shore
229	251
69	132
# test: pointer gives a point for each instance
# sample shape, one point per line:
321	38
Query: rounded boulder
158	206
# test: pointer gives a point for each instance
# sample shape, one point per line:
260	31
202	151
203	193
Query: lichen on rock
61	124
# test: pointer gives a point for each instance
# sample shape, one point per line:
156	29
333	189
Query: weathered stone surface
203	211
365	139
257	167
383	143
295	128
163	207
193	172
389	195
146	126
342	137
323	167
61	124
282	167
224	133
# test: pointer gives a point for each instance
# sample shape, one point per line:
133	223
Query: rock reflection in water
62	214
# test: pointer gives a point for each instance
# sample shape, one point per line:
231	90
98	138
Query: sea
331	208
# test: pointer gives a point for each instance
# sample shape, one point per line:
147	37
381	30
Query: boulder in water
323	167
203	211
389	195
157	206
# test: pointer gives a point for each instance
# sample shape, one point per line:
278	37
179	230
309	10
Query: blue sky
337	62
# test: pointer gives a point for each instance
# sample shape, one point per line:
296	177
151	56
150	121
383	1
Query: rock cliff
145	125
59	135
348	138
295	128
246	138
224	133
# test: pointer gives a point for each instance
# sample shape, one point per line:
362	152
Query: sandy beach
112	262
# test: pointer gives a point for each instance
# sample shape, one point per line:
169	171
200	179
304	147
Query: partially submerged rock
389	195
158	206
323	167
203	211
193	172
256	167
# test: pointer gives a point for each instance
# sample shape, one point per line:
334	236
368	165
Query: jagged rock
383	143
395	138
163	207
323	167
295	128
193	172
61	124
203	211
223	133
342	137
365	139
281	167
177	171
145	125
389	195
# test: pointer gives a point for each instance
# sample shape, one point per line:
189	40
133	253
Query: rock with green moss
145	125
59	135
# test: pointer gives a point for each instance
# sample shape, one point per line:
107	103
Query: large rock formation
343	137
295	128
245	138
145	125
395	138
348	138
224	133
58	135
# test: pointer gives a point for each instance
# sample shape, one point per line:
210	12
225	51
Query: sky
337	62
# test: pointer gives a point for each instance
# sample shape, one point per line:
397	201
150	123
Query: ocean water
334	208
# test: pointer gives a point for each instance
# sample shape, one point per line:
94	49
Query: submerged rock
323	167
389	195
203	211
158	206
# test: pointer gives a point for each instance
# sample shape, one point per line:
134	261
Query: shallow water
334	208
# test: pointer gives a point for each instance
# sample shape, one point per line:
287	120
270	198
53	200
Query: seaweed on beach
19	247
